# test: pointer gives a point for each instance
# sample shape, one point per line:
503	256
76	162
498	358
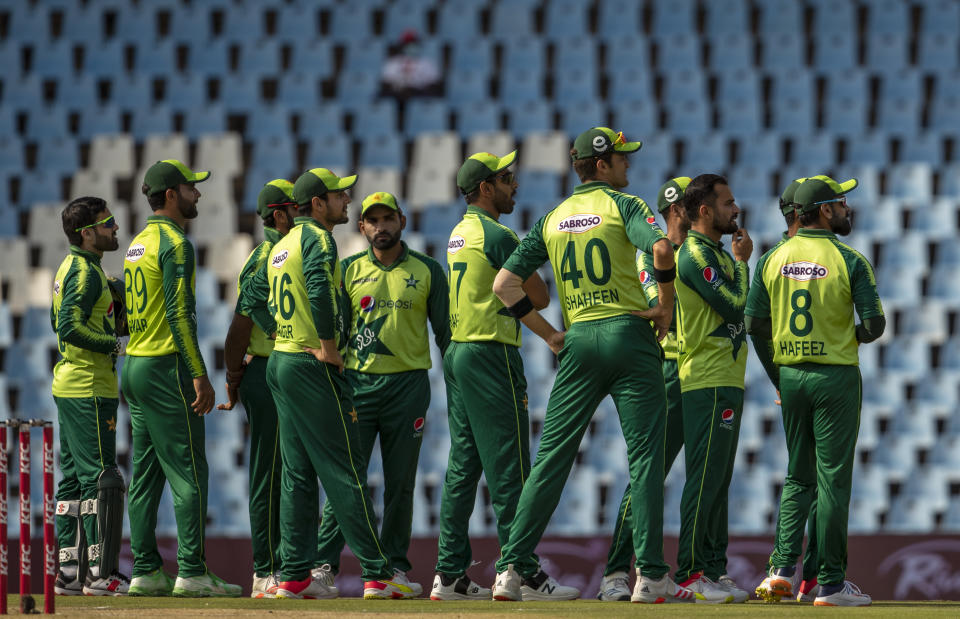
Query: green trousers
621	547
88	445
319	439
711	429
265	467
489	434
394	407
592	365
821	418
168	446
810	561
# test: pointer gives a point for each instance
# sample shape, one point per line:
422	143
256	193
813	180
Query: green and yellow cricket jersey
591	238
711	296
478	247
306	289
652	294
160	279
253	292
389	307
809	287
82	317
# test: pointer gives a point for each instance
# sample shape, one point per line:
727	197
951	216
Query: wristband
521	308
665	276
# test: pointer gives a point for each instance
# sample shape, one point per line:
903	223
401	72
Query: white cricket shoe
615	588
849	595
776	586
114	585
449	588
739	595
264	586
205	586
663	591
387	590
506	587
401	578
541	587
712	592
324	574
307	589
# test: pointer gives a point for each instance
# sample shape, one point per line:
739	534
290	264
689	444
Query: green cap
671	191
479	167
317	182
278	192
381	198
599	141
170	174
787	205
819	189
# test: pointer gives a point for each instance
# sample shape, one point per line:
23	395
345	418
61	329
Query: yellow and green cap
787	204
170	174
599	140
671	191
820	189
380	198
276	193
479	167
319	181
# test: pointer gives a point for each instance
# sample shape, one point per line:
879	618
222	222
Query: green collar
476	210
816	233
271	235
786	235
403	256
92	257
705	239
157	219
303	219
590	186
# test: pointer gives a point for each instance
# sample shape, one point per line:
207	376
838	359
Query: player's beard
187	209
385	240
504	202
840	223
724	226
106	242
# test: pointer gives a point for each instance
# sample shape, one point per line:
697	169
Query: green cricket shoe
155	584
208	585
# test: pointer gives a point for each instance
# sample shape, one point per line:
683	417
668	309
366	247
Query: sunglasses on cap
107	223
279	204
842	200
619	139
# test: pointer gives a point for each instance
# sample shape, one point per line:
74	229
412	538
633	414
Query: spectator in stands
407	73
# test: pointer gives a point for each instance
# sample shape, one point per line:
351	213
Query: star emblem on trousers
112	424
353	415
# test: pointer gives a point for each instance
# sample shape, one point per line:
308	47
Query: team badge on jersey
418	424
367	303
726	418
710	274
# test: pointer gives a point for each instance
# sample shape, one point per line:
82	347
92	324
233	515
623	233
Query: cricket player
616	585
318	424
483	370
610	347
251	333
90	495
711	295
393	290
811	285
808	587
166	386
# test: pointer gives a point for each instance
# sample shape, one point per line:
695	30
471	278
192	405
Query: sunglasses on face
506	178
842	200
108	223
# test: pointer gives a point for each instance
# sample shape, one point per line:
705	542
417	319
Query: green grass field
152	607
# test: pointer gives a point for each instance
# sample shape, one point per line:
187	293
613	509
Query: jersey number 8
801	311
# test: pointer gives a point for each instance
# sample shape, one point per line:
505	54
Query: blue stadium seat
312	57
753	184
637	118
629	52
816	151
53	60
58	155
938	51
519	84
629	84
834	52
793	116
618	19
576	53
706	153
727	17
937	221
739	84
350	23
155	58
99	120
276	154
458	21
848	84
472	54
365	56
677	53
798	84
682	84
927	323
22	95
244	23
910	515
131	92
911	183
402	16
576	116
210	58
465	86
674	17
262	58
645	178
530	116
297	22
926	147
378	117
870	148
45	186
268	121
300	92
47	122
11	154
762	150
908	250
887	51
185	91
945	114
688	117
900	288
509	20
938	17
572	85
833	17
782	52
538	187
878	220
428	115
566	19
845	117
151	120
77	93
104	60
239	93
781	17
384	151
887	16
950	181
480	116
28	24
208	119
360	87
527	52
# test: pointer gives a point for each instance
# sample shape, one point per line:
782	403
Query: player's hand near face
327	353
742	245
205	395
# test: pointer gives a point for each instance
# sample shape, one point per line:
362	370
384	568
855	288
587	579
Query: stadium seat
466	86
548	152
478	117
782	52
221	152
297	22
704	154
814	151
887	51
472	54
529	117
93	182
521	84
386	150
112	154
155	58
871	148
834	52
362	86
430	186
761	150
200	121
635	117
727	17
426	116
456	22
780	16
511	21
911	182
53	60
845	117
689	117
899	116
618	18
578	115
373	179
11	154
677	53
565	19
438	151
937	51
887	16
275	156
673	18
498	142
350	23
793	117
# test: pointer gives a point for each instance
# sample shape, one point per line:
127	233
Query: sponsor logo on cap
455	244
600	143
710	274
804	271
727	416
670	194
135	252
279	259
367	303
579	223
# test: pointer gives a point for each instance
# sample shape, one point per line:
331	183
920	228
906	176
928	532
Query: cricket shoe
155	584
450	588
401	578
264	587
808	591
541	587
615	587
712	592
506	587
847	595
207	585
309	588
325	575
663	591
387	589
114	585
777	585
739	595
63	586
